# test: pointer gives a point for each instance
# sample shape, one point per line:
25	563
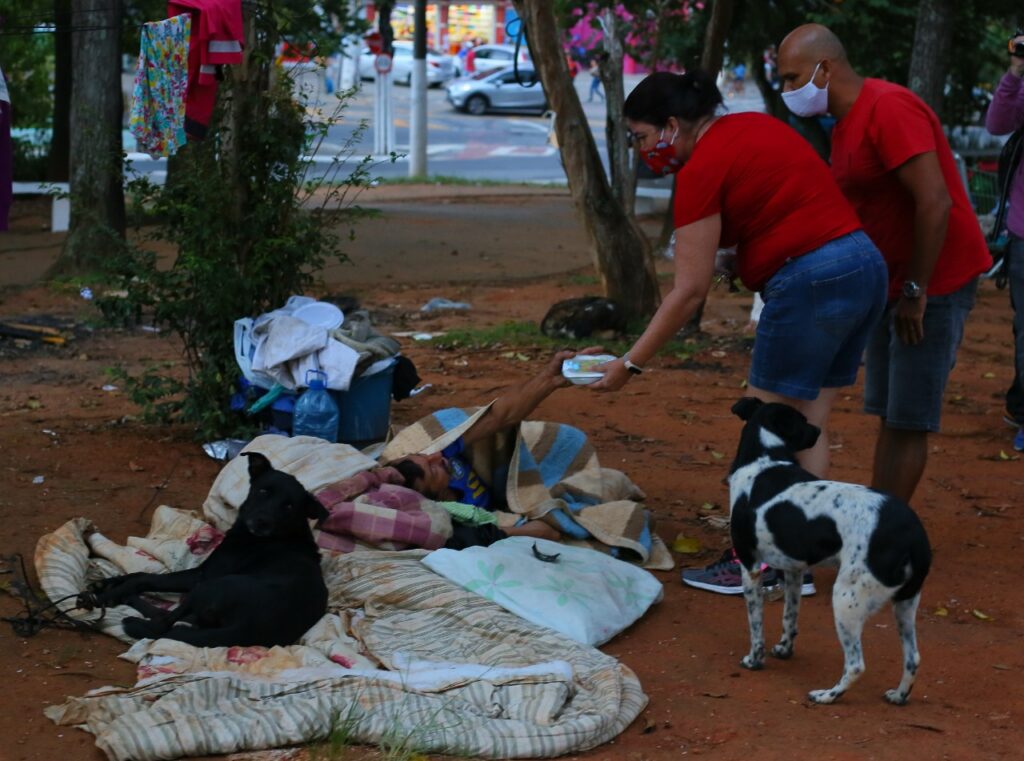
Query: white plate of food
581	368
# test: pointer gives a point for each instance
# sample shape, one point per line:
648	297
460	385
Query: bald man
892	161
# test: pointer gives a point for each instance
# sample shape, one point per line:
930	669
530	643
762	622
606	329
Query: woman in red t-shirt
749	180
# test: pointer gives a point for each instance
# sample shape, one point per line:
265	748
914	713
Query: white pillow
586	595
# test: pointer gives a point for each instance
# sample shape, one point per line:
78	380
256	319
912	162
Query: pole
418	115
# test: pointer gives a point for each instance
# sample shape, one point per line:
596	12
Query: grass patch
523	335
581	279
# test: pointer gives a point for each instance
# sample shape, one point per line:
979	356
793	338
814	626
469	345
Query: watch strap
633	368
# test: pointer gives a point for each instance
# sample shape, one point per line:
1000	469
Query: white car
494	57
498	91
439	67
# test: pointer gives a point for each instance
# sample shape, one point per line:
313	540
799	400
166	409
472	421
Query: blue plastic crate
366	407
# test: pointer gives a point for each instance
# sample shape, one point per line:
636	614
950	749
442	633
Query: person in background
1006	115
892	161
751	181
595	80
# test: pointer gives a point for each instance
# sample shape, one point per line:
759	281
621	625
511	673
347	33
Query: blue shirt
466	484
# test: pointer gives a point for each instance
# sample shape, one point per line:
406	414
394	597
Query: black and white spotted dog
785	517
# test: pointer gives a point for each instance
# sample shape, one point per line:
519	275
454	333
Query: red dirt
670	430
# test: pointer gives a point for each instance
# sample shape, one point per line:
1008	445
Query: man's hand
1016	62
909	319
553	369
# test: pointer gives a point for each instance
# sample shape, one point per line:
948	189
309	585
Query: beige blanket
404	658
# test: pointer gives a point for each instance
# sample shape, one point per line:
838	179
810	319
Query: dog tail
919	558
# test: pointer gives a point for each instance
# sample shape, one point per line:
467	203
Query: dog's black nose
259	527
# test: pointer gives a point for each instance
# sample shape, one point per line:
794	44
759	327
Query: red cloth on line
775	194
217	37
887	126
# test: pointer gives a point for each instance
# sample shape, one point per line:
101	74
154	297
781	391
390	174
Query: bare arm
923	178
516	403
696	245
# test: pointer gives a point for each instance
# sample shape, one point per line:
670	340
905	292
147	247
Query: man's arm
922	177
512	407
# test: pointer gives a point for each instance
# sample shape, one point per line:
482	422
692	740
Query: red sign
374	42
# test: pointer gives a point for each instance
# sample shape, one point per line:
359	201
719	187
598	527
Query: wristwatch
911	289
635	369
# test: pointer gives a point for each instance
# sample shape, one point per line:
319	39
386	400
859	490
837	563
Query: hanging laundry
157	117
216	39
6	154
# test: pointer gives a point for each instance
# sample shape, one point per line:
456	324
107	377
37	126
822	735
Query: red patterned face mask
662	160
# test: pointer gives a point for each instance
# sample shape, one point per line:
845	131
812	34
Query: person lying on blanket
447	476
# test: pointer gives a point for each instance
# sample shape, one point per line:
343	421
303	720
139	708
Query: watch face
911	289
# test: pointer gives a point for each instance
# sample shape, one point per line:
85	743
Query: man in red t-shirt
894	164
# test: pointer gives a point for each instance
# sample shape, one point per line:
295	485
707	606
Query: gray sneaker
725	577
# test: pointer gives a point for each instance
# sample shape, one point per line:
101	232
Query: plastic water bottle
316	412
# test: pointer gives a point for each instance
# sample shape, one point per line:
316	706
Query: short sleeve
699	188
455	449
901	128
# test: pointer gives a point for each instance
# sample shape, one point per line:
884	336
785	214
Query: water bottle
316	412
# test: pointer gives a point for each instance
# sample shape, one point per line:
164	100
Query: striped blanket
549	471
404	658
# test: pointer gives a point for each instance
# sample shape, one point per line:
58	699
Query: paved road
508	147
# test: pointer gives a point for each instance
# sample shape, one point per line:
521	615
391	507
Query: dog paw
753	664
823	697
896	697
783	652
141	628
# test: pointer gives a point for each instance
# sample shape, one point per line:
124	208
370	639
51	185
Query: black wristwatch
634	369
911	290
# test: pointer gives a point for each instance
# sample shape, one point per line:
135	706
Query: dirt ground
71	448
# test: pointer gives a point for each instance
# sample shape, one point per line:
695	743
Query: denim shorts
904	384
819	310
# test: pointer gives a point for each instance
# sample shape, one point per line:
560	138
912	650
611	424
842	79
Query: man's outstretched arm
515	403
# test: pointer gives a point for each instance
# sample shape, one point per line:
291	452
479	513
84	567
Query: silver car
439	67
498	91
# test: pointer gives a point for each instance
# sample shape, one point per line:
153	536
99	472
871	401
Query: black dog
785	517
261	586
582	317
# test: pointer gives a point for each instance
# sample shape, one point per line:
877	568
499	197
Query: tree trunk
713	54
97	190
622	254
623	180
60	141
929	61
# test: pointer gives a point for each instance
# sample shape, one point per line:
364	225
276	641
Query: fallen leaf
940	611
743	383
709	506
717	455
1002	667
1003	455
132	466
718	354
989	375
686	545
716	695
649	726
33	404
981	616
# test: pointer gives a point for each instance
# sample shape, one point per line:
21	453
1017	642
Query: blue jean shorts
904	384
819	310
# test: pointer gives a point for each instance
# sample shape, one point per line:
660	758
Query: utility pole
418	96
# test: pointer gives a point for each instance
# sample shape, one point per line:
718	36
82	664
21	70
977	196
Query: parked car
439	67
498	91
493	57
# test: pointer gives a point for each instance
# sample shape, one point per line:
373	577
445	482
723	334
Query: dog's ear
745	408
314	509
792	426
258	465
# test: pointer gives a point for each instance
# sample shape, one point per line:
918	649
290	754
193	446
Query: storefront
450	25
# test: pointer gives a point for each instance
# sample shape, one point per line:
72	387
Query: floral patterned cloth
158	103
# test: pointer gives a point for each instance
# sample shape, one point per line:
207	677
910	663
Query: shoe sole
806	590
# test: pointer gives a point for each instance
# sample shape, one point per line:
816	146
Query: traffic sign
374	41
382	63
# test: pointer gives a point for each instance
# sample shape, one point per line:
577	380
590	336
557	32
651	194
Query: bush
249	231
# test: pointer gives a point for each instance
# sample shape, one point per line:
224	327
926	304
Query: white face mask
809	100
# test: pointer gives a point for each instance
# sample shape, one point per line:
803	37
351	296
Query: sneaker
725	576
772	579
1018	440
